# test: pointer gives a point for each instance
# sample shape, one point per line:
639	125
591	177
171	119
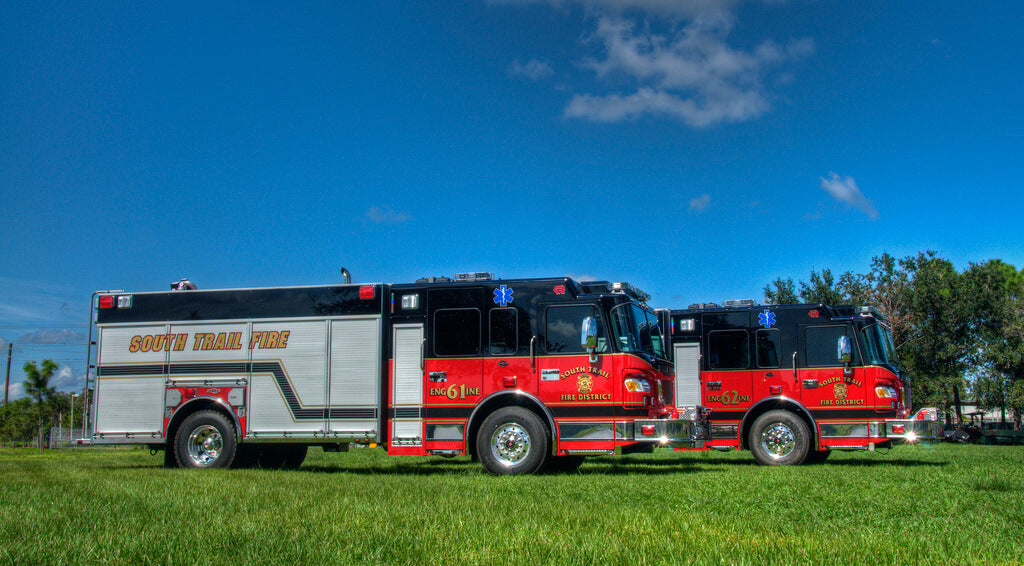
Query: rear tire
563	464
205	440
779	438
274	456
512	441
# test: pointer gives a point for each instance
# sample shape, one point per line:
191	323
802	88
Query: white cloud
699	204
678	8
845	189
691	73
66	379
384	215
16	391
678	64
55	336
533	69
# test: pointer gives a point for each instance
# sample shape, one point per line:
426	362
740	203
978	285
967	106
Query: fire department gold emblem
584	383
839	391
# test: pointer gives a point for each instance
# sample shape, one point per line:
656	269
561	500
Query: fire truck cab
519	373
793	382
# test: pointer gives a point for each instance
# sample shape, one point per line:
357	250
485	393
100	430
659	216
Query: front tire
779	438
205	440
512	441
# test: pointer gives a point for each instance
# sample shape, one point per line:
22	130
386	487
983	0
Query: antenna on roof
346	275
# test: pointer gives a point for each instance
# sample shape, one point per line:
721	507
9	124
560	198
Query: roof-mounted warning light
474	276
739	303
871	311
630	290
112	301
183	285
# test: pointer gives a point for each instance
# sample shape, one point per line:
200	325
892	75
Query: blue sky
696	148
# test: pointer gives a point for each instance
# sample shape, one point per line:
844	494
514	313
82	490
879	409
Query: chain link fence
63	437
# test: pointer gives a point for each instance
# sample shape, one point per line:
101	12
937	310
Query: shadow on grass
893	462
605	466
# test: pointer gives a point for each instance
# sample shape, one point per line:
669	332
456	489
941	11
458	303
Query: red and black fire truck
521	373
791	383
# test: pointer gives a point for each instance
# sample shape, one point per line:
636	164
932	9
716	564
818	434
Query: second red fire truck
791	383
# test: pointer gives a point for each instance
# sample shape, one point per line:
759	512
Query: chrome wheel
778	440
510	443
205	445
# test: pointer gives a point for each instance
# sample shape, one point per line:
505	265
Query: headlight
637	385
885	392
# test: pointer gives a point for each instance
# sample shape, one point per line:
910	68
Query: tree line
26	420
951	328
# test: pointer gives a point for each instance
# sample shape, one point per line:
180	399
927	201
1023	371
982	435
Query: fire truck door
728	381
507	365
565	374
407	385
776	369
826	385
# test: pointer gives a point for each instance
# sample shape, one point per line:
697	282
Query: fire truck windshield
637	330
876	341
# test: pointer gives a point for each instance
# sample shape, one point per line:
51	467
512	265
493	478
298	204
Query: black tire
817	456
512	441
274	456
563	464
283	456
294	456
205	440
246	456
169	460
779	438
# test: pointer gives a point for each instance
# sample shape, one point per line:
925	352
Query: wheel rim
510	443
778	441
205	445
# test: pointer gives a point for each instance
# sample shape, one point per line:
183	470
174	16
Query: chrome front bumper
914	431
691	431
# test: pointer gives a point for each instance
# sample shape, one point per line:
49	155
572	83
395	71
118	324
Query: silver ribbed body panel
407	384
687	366
355	374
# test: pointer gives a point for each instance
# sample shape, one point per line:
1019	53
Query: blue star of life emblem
766	318
503	295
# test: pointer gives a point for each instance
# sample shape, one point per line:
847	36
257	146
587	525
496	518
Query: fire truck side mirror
844	353
588	337
844	350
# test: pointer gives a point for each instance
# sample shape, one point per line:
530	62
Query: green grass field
912	505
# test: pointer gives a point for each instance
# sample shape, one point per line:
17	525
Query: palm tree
37	386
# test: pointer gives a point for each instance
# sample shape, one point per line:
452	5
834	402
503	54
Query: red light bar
367	292
106	302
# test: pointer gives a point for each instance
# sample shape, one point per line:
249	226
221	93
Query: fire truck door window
727	349
456	332
503	334
768	347
562	329
820	345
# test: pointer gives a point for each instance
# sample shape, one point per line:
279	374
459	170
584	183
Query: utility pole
7	383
